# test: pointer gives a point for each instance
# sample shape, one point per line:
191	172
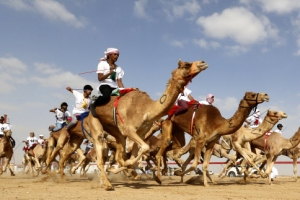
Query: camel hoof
206	185
138	177
215	183
157	180
12	174
109	188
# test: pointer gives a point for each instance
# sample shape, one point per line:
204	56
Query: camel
244	135
6	151
64	144
136	113
36	160
208	127
294	154
275	144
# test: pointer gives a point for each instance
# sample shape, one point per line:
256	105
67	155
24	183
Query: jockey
89	145
41	140
254	120
61	115
279	128
210	98
3	126
82	103
109	75
32	141
182	101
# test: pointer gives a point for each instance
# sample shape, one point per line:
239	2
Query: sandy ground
23	186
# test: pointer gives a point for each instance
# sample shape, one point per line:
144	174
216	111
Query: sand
24	186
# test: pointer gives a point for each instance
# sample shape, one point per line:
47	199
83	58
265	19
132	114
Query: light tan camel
137	112
275	144
6	151
244	135
36	160
208	127
294	154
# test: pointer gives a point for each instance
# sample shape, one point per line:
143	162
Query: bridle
272	116
256	103
189	78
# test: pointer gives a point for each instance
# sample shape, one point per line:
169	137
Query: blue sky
248	45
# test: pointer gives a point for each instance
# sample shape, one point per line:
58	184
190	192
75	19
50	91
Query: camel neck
237	120
294	140
166	101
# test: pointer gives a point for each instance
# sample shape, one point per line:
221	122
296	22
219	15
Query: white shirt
31	141
254	120
60	116
82	104
184	95
90	145
278	131
41	141
4	127
204	103
104	68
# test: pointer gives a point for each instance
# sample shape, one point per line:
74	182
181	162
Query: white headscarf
109	51
210	98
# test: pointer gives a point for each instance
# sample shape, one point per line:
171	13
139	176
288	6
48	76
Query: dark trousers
106	93
183	107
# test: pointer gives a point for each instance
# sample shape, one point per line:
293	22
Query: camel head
275	116
253	98
186	71
7	133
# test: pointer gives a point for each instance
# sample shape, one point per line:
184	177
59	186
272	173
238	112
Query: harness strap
266	138
196	107
115	111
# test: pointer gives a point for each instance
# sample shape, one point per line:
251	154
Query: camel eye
253	95
275	113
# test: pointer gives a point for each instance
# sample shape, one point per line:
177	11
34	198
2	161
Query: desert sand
24	186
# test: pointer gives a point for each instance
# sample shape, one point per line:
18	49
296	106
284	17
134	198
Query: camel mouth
267	99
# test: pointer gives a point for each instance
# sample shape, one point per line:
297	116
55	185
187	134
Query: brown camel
136	113
208	127
6	151
294	154
275	144
64	144
242	137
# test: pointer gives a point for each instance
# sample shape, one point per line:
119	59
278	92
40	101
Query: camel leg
81	160
62	140
98	140
295	158
39	167
143	147
166	140
67	152
245	154
270	163
199	146
49	159
6	164
207	156
185	164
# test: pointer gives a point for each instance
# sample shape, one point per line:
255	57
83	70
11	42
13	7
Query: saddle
192	103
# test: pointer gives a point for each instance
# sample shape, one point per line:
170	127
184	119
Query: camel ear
179	63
